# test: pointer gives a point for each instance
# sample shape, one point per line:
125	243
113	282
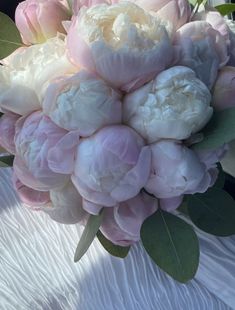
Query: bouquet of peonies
115	115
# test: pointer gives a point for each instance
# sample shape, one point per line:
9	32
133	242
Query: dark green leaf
221	177
113	249
172	244
220	130
225	9
183	208
88	235
10	38
6	161
213	212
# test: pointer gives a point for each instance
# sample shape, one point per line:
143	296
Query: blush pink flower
202	49
46	150
82	102
176	170
7	131
111	166
31	197
177	12
124	44
66	205
39	20
224	89
122	223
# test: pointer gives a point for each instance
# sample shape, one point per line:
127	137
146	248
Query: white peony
174	105
27	73
82	102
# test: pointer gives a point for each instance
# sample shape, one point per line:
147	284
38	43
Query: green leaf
10	38
192	2
113	249
88	235
220	130
225	9
172	244
6	161
213	212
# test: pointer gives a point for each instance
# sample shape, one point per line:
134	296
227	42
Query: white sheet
37	270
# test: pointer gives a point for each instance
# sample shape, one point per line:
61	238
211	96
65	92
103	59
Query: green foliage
10	38
219	130
213	212
226	9
6	161
172	244
113	249
88	235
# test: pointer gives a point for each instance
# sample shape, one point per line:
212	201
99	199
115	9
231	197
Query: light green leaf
220	130
226	9
88	235
192	2
10	38
113	249
6	161
172	244
213	212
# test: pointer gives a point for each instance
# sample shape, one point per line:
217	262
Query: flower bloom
83	103
46	150
202	49
176	170
174	105
66	205
7	131
224	89
78	4
31	197
27	73
124	44
39	20
177	12
111	166
122	223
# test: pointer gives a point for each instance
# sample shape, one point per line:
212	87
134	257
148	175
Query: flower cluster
101	108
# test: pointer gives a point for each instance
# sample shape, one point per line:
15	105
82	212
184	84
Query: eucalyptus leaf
172	244
10	38
225	9
88	235
213	212
6	161
113	249
219	130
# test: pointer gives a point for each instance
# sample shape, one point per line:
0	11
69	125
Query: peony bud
39	20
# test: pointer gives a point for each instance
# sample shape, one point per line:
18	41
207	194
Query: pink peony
31	197
176	170
122	223
39	20
224	89
46	150
7	131
202	49
111	166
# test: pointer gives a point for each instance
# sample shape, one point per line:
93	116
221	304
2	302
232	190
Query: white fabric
37	270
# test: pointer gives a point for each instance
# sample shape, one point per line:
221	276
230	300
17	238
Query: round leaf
10	38
225	9
220	130
113	249
172	244
213	212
